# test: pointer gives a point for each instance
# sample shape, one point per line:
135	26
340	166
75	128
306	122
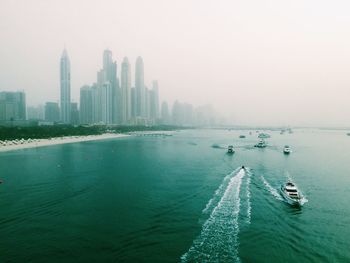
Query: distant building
126	91
12	106
154	101
140	88
74	113
36	112
52	112
108	73
107	103
65	88
86	108
133	103
96	103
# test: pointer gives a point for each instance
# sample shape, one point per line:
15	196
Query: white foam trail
218	193
218	240
272	190
249	208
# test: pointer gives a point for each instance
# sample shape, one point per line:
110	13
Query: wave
218	193
248	195
218	240
272	190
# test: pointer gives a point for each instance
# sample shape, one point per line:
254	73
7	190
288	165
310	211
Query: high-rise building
107	103
12	106
65	87
52	112
133	103
86	105
140	88
126	91
109	74
96	103
154	101
74	117
35	112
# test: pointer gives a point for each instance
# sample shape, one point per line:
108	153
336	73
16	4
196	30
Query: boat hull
289	200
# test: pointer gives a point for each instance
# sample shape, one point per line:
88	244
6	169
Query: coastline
59	140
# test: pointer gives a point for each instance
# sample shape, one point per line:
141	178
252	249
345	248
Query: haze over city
257	62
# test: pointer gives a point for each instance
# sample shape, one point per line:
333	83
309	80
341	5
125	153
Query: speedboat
291	194
230	149
286	149
260	144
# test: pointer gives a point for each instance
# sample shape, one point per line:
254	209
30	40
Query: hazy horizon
257	62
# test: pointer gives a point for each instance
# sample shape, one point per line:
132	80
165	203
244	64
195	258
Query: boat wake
218	240
272	190
218	193
248	202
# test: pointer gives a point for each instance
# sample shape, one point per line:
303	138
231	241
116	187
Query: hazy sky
260	62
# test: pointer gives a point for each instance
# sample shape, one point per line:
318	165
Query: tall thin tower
126	90
140	89
65	87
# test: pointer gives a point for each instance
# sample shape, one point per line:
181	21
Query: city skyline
248	59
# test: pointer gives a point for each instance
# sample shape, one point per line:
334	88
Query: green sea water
177	199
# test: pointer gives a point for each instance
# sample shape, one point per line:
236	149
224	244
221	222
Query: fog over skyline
258	62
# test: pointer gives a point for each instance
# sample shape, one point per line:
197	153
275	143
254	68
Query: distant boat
264	136
260	144
242	136
291	194
348	134
286	149
230	149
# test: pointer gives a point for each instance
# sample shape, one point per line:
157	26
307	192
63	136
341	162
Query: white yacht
286	149
230	149
260	144
291	194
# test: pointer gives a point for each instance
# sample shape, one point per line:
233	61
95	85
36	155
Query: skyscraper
106	103
12	106
126	91
109	74
154	101
140	89
86	105
65	87
52	112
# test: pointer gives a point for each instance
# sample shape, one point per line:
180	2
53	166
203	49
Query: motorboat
260	144
230	149
242	136
291	194
264	135
286	149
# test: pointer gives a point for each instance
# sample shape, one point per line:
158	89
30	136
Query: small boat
264	136
230	149
260	144
348	134
286	149
291	194
242	136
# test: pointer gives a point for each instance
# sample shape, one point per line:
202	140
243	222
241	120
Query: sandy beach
54	141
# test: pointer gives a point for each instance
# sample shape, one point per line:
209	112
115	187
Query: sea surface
178	199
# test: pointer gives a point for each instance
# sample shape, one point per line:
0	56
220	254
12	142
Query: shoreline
60	140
